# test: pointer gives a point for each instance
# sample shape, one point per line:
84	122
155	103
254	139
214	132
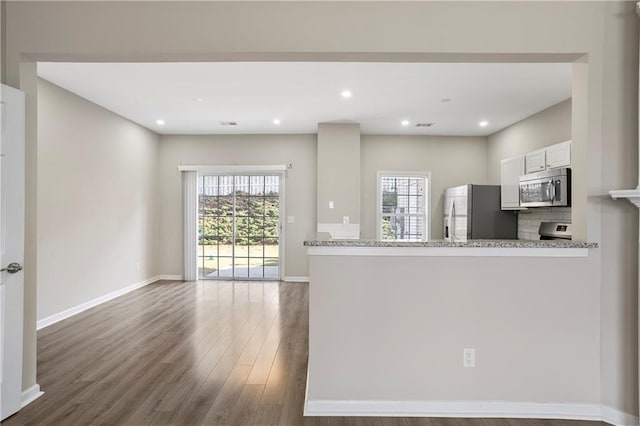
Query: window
403	206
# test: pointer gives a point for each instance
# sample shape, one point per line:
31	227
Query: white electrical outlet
291	219
469	357
330	204
345	220
138	265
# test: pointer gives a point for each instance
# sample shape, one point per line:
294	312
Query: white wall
97	191
536	340
338	164
451	160
600	36
300	186
618	160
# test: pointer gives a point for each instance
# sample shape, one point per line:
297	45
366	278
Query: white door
12	127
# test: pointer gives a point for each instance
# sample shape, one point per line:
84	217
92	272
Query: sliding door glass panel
239	227
208	225
271	227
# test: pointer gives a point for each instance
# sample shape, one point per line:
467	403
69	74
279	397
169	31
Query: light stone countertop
461	244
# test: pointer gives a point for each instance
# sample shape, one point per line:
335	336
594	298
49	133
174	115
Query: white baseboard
297	279
170	277
45	322
31	394
306	395
491	409
618	418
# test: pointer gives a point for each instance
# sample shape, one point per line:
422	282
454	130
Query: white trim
426	199
488	409
633	195
202	169
31	394
282	225
447	251
170	277
306	396
190	224
52	319
617	417
296	279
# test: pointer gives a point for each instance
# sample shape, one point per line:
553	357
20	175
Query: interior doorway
239	226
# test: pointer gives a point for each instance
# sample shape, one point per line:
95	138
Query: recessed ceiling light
199	100
445	100
405	122
276	121
483	123
160	122
346	94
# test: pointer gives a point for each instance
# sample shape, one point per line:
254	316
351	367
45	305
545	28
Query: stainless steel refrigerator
473	212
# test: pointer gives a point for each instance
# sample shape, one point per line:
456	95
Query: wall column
339	180
633	195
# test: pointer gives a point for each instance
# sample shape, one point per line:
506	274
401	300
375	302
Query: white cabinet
558	155
511	170
536	161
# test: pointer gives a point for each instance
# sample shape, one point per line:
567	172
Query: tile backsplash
529	220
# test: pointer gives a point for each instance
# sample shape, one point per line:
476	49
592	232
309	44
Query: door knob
12	268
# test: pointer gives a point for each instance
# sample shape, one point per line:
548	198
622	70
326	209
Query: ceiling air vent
424	124
228	123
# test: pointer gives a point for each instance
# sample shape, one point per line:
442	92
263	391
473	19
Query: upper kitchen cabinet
511	170
558	155
536	161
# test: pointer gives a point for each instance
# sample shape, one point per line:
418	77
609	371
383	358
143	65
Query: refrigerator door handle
450	234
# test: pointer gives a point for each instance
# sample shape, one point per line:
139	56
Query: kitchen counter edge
516	244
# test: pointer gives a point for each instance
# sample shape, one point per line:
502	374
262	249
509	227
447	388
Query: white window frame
426	176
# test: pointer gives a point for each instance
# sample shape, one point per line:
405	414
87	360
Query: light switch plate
291	219
469	357
330	204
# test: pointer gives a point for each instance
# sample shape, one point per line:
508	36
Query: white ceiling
192	98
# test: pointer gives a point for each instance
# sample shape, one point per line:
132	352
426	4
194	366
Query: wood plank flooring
205	353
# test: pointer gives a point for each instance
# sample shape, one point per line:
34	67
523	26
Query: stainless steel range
554	231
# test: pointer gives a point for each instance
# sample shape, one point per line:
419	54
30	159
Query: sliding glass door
239	224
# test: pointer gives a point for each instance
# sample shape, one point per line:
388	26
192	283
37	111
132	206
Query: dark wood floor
206	353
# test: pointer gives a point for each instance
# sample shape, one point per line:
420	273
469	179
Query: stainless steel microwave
548	188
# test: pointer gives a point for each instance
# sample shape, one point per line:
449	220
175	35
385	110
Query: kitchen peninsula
392	326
